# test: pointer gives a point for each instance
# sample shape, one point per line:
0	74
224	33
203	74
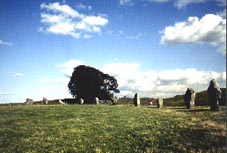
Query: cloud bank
64	20
166	83
210	29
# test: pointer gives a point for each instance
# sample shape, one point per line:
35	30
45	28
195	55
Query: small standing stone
45	101
214	95
29	101
189	98
61	102
136	100
96	100
81	101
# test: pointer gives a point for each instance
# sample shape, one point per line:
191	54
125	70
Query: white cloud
83	7
209	29
64	20
67	67
222	13
131	2
5	43
180	4
125	2
86	36
16	74
5	93
95	20
164	83
221	2
183	3
61	9
155	84
158	1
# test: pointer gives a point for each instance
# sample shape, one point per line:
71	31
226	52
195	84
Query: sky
157	48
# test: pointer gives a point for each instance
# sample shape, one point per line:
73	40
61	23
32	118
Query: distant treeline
178	100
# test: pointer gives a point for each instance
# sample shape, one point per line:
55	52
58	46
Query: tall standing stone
189	98
160	103
136	100
214	95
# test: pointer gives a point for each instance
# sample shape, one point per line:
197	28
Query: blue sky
157	48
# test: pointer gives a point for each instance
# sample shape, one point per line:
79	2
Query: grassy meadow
114	129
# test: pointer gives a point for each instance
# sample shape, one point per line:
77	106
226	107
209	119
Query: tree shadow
195	110
204	138
184	108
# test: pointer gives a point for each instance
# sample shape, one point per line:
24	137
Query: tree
87	83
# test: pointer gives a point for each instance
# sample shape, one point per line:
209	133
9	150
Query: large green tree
87	83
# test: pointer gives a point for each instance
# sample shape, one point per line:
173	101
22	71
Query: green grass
105	128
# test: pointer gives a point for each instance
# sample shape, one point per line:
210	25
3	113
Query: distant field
105	128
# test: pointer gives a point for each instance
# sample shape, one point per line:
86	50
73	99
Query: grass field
105	128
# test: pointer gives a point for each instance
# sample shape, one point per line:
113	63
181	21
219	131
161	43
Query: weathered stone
189	98
160	103
214	95
45	101
136	100
29	101
61	102
96	100
81	101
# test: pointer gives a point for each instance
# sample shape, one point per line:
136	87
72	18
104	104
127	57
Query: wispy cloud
134	36
5	93
122	35
164	83
64	20
209	29
157	1
83	7
180	4
5	43
221	2
125	2
18	75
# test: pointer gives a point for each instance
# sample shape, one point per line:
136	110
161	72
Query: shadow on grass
204	139
195	110
184	108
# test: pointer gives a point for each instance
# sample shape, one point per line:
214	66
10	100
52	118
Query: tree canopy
87	83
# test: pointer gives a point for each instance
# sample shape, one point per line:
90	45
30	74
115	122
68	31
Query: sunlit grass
104	128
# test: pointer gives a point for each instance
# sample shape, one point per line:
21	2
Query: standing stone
96	100
45	101
136	100
160	103
189	98
61	102
29	101
214	95
81	101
